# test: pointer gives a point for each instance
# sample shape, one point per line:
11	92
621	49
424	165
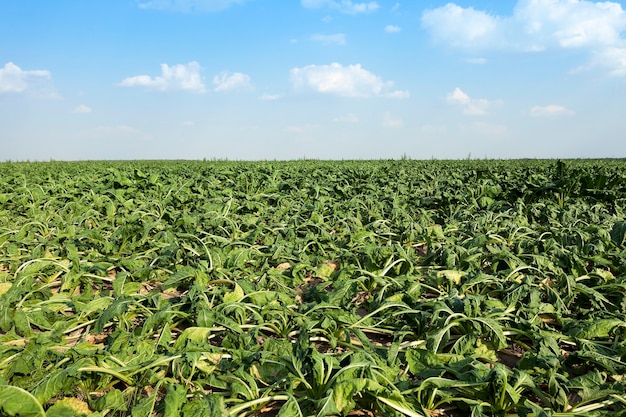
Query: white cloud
335	39
270	97
611	59
550	110
398	94
458	97
571	23
347	118
534	25
189	5
392	122
395	7
392	29
471	106
82	109
349	81
188	123
173	78
343	6
13	79
537	25
428	128
461	27
476	61
477	107
232	82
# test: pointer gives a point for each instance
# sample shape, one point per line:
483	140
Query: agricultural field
313	288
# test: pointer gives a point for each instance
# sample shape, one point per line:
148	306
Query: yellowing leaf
235	295
4	287
453	276
68	407
327	269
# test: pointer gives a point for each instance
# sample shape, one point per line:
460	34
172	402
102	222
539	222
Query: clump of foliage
310	288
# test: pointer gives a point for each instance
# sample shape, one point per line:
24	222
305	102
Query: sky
315	79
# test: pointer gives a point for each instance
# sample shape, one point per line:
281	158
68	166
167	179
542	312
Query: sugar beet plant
309	288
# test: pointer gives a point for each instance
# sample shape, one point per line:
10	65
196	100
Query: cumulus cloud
186	6
471	106
611	59
571	23
232	82
392	29
534	25
343	6
550	110
537	25
334	39
348	81
179	77
14	79
82	109
458	96
461	27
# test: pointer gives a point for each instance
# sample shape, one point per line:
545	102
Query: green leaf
6	321
22	325
290	409
118	283
145	407
327	406
96	305
212	406
344	392
18	402
597	328
178	276
174	399
53	384
113	400
197	334
400	406
618	233
424	363
116	309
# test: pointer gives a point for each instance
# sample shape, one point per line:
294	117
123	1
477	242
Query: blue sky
331	79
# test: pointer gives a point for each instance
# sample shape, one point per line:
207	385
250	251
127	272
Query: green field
313	288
